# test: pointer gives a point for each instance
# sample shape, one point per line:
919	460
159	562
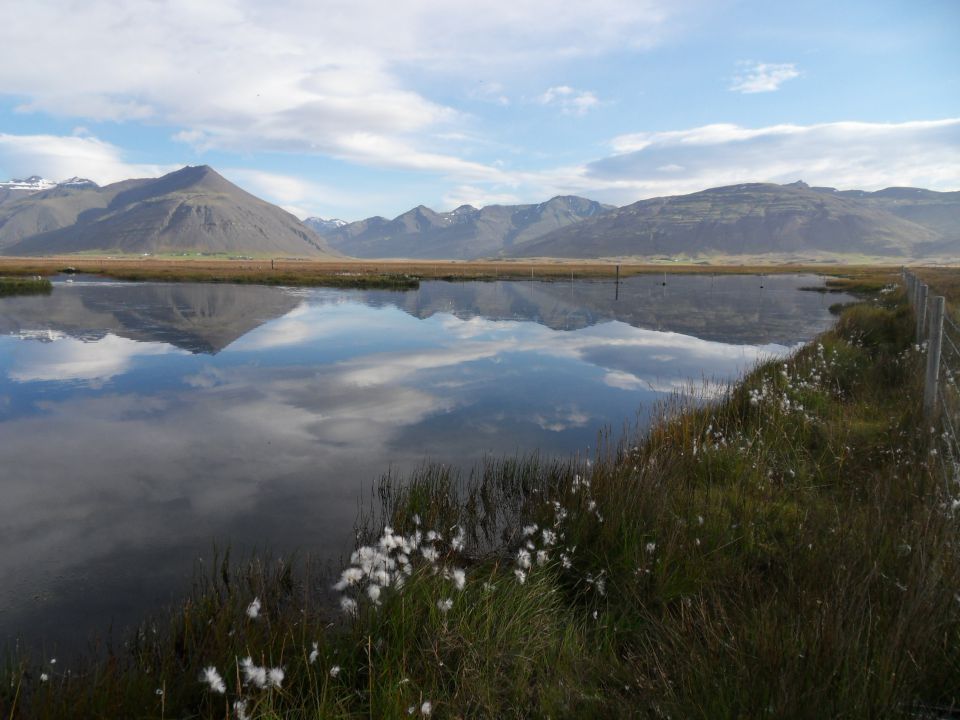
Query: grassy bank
395	273
790	551
24	285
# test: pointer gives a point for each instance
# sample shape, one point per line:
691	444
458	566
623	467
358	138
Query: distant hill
763	218
462	234
191	210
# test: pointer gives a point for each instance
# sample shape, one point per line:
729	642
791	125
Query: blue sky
354	108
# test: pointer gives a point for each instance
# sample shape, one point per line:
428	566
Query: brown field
297	271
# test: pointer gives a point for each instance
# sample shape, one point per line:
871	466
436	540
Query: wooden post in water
618	274
921	309
934	345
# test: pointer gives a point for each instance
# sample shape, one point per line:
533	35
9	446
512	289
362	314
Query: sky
353	108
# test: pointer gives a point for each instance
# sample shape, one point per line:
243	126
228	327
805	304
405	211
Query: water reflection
141	423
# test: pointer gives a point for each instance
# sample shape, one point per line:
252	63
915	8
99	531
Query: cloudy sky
350	108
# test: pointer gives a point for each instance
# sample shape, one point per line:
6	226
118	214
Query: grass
24	285
403	273
787	552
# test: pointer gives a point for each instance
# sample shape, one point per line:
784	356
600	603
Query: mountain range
196	210
190	210
793	220
764	218
462	234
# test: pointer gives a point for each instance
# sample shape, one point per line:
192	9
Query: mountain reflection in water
141	423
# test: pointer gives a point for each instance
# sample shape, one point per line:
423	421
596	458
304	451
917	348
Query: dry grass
318	272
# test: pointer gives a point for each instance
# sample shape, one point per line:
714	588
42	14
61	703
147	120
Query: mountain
462	234
53	208
763	218
17	188
938	211
191	210
321	226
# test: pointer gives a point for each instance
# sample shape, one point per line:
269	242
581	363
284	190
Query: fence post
921	309
934	345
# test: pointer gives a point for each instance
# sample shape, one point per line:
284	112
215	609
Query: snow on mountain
321	226
78	182
34	183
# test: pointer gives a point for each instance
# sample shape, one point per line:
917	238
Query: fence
937	329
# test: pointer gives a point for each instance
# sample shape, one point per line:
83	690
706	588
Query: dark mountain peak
465	210
800	184
193	209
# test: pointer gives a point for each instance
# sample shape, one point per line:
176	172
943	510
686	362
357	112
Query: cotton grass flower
275	677
348	605
44	677
253	609
240	708
314	653
426	708
253	674
444	605
212	678
334	671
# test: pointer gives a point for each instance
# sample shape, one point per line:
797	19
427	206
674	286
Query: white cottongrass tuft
459	578
458	541
529	530
240	708
212	678
523	559
334	671
426	708
275	677
314	653
651	547
444	605
253	609
44	677
253	674
521	575
348	605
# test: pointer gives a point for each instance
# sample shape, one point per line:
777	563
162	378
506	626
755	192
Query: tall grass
34	285
789	551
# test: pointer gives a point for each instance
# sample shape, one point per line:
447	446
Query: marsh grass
789	551
24	285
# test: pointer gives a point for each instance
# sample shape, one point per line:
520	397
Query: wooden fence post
921	308
934	344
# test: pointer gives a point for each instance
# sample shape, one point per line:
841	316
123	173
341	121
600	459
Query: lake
141	423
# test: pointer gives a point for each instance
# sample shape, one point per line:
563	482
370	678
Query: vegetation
24	285
790	551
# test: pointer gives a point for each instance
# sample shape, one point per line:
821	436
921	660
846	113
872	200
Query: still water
140	423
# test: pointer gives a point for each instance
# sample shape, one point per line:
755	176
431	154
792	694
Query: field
400	273
787	552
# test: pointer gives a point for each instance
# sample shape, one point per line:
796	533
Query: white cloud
758	77
478	197
325	78
70	359
569	100
60	157
863	155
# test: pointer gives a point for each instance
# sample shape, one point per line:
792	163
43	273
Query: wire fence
939	333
